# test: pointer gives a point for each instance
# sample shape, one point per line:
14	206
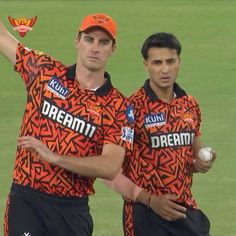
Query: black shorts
146	222
32	213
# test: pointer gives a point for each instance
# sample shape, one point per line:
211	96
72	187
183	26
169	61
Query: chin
94	67
166	86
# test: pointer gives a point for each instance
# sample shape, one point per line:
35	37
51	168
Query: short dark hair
160	40
80	33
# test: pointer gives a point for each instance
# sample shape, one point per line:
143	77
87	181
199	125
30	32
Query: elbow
111	175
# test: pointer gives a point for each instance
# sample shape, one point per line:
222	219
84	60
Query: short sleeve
121	128
26	63
197	112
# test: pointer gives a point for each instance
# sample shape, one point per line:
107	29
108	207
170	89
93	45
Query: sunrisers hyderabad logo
22	25
101	19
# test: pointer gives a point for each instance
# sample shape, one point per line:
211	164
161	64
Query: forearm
99	166
124	186
106	165
195	170
196	147
197	144
144	197
8	44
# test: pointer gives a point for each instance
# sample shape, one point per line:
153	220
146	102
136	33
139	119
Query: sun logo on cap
101	19
22	25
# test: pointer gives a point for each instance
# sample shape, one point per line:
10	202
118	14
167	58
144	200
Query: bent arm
8	44
197	145
198	164
106	165
124	186
164	205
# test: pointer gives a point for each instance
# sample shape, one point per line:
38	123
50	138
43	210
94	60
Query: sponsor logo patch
127	134
67	119
129	113
152	120
171	140
57	88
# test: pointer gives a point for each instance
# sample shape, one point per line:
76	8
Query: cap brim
98	26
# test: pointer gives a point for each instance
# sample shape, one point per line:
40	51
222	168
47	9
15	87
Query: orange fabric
69	120
162	166
5	223
128	222
99	20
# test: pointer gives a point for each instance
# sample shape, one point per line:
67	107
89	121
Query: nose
95	46
165	68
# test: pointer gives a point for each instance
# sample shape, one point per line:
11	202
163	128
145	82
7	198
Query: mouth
165	78
93	58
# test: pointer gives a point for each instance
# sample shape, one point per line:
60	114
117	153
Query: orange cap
99	20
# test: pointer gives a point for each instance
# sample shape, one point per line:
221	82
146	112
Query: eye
104	42
156	62
171	61
88	39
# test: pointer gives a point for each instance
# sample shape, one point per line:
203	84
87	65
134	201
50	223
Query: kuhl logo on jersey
57	88
157	119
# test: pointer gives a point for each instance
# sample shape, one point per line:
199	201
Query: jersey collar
178	91
101	91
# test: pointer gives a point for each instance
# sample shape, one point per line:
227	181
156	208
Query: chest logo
57	88
129	114
95	109
152	120
187	117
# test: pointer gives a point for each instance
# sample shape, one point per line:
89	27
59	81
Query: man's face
95	47
162	66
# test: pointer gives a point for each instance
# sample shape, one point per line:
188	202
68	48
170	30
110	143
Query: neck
165	94
89	80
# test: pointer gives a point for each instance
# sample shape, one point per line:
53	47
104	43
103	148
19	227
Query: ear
179	59
113	49
145	63
179	62
77	42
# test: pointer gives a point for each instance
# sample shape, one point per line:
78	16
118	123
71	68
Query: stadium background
207	32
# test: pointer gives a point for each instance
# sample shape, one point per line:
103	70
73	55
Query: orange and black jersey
162	157
69	120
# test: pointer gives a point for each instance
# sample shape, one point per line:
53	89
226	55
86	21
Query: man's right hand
166	207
